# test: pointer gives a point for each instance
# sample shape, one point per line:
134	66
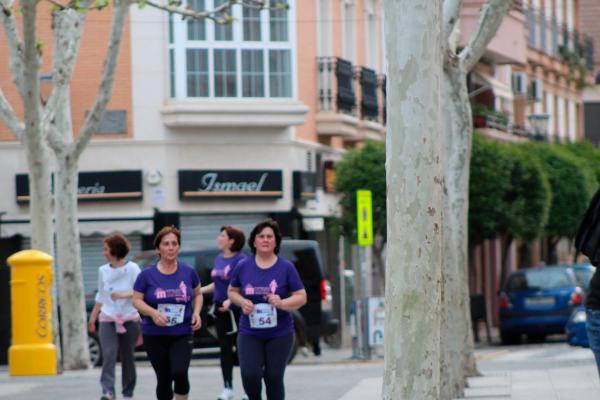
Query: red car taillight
576	297
325	288
504	301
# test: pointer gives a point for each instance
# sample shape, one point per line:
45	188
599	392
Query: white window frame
181	44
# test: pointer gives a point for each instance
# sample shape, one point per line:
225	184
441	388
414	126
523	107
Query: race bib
264	316
173	312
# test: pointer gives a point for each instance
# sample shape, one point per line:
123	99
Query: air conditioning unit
519	83
536	90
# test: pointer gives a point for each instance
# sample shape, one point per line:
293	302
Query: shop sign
203	184
95	186
305	185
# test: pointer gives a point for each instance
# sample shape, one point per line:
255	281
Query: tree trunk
414	219
73	321
458	361
379	263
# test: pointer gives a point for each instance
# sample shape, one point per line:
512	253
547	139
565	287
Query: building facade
215	124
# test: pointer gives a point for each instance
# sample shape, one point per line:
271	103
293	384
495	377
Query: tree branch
15	46
68	28
492	14
450	16
31	66
10	118
108	76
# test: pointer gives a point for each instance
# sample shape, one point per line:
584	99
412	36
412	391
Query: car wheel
95	351
509	338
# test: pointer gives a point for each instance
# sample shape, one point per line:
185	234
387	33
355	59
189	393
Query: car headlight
579	317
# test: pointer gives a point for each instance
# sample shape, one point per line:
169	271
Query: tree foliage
572	183
489	182
362	169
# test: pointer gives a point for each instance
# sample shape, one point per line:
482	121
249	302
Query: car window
204	264
305	260
547	279
583	276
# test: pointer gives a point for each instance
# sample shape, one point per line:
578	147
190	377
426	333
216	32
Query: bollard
32	351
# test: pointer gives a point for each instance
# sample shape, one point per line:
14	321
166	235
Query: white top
116	279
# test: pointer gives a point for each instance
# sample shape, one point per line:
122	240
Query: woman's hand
247	306
196	321
159	319
225	306
92	326
275	301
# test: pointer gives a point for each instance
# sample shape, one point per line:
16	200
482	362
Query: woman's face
264	241
223	241
106	252
168	247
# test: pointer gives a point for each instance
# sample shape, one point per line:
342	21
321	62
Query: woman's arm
121	295
144	308
208	288
93	316
197	307
236	297
296	300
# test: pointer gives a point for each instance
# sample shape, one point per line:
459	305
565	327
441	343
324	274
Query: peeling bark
414	180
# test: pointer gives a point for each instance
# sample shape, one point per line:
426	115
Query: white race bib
173	312
264	316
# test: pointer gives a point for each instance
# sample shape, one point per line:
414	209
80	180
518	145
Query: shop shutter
200	231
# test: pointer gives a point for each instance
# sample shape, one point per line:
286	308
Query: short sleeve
235	275
294	281
195	278
98	298
141	282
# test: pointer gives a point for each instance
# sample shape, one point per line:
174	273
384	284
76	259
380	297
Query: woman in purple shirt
267	288
168	294
230	241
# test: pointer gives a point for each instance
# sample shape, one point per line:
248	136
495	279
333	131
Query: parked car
538	302
576	326
313	321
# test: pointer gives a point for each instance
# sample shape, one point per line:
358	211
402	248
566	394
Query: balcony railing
557	40
345	88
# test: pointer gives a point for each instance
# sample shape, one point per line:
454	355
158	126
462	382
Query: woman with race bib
267	288
168	294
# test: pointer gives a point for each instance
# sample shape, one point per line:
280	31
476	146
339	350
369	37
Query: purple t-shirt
177	288
221	274
256	283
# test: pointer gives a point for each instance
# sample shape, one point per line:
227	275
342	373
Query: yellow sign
364	217
31	284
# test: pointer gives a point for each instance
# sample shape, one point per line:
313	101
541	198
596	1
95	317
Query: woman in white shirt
119	325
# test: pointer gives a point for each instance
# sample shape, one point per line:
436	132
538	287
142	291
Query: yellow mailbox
32	351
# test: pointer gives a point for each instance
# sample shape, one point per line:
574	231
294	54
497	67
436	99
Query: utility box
32	351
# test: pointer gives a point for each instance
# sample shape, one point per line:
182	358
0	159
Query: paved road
310	379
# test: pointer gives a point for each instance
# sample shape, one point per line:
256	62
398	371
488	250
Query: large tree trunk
414	181
458	360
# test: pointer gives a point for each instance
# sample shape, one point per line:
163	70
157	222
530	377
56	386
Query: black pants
226	333
170	357
264	359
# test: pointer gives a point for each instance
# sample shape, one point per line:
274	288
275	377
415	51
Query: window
223	31
197	27
197	72
225	82
280	76
253	57
252	24
253	81
279	24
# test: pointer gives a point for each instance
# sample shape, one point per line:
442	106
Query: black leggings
170	357
264	359
227	343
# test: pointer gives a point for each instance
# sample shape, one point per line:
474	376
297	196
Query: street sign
364	217
376	315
